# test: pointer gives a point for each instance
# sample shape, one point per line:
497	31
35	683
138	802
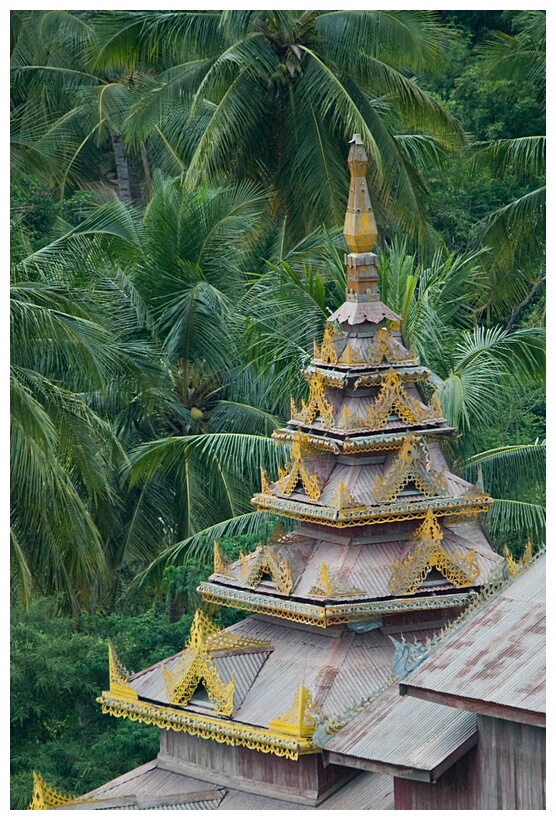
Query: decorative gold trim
318	403
222	731
299	719
364	447
358	444
296	471
393	398
265	560
514	567
386	348
343	499
323	616
118	676
407	468
350	356
408	575
355	517
416	374
45	797
327	352
328	587
197	665
265	482
220	566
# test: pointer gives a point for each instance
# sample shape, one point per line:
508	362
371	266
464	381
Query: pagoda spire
360	231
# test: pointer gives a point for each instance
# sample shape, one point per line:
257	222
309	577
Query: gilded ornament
327	352
233	734
262	561
220	565
317	404
386	348
412	464
514	567
45	797
343	498
118	676
350	356
265	483
408	575
331	587
296	471
392	398
323	616
197	665
299	719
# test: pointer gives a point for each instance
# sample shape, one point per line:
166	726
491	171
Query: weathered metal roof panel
405	732
499	656
366	791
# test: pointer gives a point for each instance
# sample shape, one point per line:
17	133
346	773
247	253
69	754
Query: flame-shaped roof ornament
360	230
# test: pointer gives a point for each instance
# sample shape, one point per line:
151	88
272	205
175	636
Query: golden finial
359	227
299	719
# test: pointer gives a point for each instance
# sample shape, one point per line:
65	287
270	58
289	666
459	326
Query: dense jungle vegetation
178	190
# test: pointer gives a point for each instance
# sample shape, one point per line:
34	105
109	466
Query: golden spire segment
360	231
359	227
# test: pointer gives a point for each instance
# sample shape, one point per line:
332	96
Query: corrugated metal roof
360	665
360	479
405	732
367	791
367	567
499	656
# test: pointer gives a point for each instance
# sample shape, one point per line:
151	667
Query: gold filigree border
324	616
359	517
233	734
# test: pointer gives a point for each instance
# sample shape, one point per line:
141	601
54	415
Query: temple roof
388	534
160	785
498	659
405	737
359	566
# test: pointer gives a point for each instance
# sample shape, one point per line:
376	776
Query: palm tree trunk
128	182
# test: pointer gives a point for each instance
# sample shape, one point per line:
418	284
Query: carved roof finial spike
360	230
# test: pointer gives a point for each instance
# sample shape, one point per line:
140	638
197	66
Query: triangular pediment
203	669
427	555
265	562
410	471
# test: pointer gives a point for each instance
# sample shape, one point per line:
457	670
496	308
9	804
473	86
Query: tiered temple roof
387	545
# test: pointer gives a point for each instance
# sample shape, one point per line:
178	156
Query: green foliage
155	349
58	668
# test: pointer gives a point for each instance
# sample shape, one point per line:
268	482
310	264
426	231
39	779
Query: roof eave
481	707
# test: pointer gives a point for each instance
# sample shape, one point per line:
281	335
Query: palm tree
518	513
75	364
516	232
67	119
271	95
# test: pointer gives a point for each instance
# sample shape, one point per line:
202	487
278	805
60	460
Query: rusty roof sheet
367	791
405	732
499	656
355	664
367	566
